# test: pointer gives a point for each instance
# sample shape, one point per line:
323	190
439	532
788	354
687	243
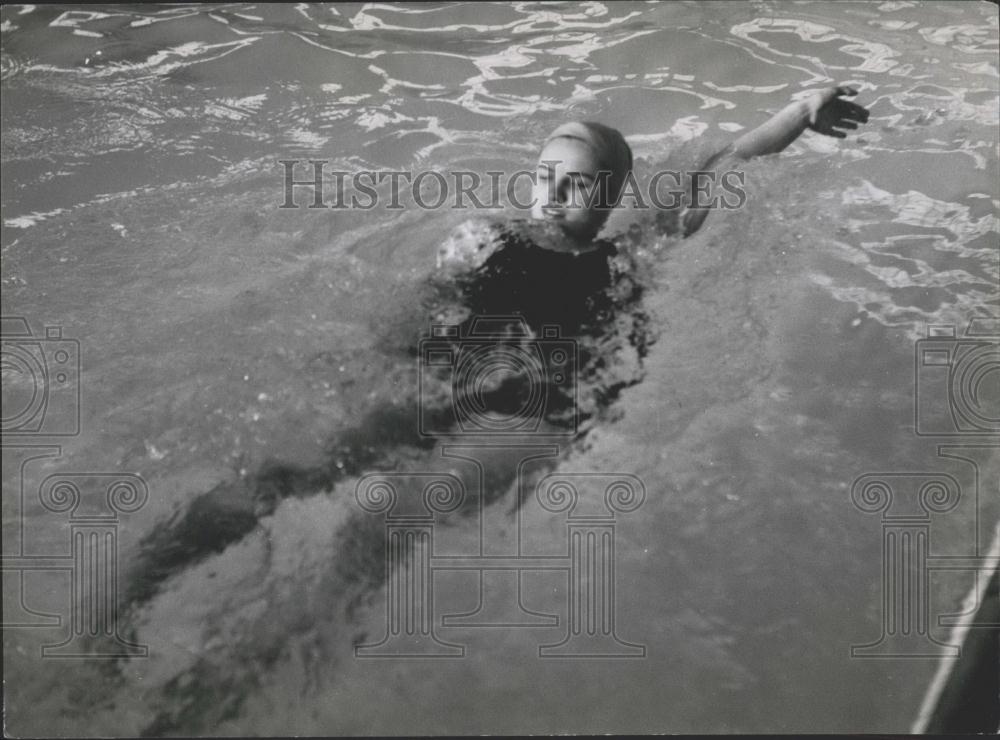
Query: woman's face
565	181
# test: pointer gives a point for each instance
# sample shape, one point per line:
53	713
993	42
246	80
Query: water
221	336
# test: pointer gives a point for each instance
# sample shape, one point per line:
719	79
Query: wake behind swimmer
552	270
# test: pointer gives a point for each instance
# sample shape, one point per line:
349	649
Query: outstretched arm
826	112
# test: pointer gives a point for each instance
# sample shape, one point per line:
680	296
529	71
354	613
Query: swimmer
550	270
580	156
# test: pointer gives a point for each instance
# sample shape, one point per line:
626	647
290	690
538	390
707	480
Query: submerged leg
227	513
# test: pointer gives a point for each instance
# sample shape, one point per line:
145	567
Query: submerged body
589	299
535	292
546	280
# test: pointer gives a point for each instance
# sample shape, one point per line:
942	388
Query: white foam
29	220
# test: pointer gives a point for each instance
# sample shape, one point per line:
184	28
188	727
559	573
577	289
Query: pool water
221	336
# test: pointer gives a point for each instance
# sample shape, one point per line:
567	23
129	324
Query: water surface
220	334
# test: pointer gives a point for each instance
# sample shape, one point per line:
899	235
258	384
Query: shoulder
470	244
618	251
625	269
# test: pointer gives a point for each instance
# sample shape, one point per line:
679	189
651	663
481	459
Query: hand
828	111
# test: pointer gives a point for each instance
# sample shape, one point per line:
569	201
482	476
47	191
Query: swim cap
609	146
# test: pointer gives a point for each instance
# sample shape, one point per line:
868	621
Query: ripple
966	38
144	136
875	56
235	109
10	66
28	220
916	259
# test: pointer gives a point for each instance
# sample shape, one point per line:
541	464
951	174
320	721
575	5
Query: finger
837	134
856	112
845	90
846	124
850	112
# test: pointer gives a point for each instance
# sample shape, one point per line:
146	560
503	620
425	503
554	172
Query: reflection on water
251	363
916	268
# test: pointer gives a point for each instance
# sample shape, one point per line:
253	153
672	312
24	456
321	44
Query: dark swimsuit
589	299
